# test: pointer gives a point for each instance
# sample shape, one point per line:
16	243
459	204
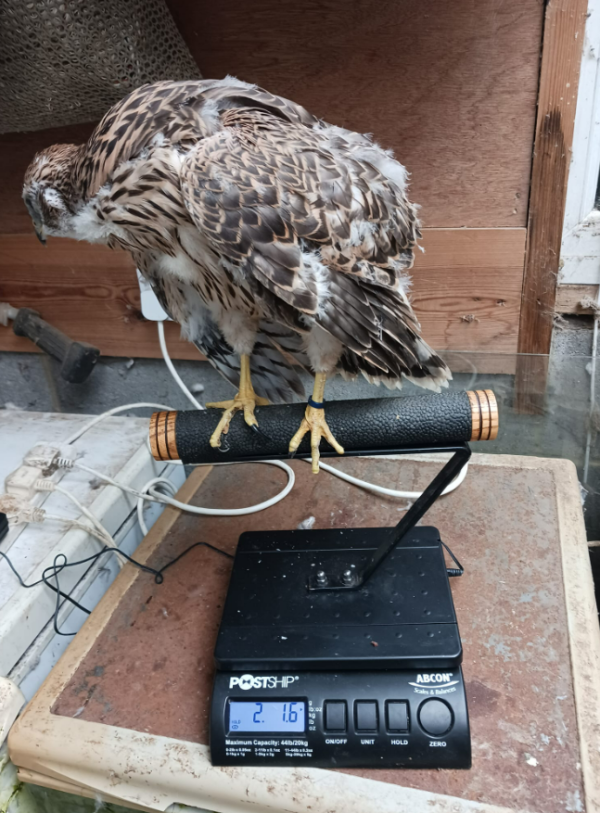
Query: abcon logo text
435	679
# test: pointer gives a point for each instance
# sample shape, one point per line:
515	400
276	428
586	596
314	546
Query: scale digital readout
369	677
267	716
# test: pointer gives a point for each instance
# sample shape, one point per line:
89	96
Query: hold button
397	716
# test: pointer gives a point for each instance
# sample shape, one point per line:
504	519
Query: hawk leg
246	399
315	423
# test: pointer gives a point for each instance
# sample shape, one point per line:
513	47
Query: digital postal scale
340	648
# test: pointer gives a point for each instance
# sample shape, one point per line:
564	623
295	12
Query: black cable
453	571
159	577
40	581
61	562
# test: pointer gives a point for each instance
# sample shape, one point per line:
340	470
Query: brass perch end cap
484	415
163	443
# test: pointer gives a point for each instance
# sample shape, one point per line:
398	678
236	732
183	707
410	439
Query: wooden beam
564	29
466	291
576	299
561	57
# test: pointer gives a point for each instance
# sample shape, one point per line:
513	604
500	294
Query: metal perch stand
434	423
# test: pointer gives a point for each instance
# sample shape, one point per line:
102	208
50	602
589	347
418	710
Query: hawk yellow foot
315	423
245	400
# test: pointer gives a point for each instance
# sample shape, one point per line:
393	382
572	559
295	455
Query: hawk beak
39	231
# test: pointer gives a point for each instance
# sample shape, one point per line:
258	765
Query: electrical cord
115	411
149	492
389	492
156	481
233	512
49	485
61	562
453	571
167	358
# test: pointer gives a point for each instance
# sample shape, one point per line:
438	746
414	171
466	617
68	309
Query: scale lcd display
269	716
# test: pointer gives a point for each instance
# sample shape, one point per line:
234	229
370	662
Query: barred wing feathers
315	221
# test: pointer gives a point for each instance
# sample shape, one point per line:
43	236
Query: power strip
29	646
19	487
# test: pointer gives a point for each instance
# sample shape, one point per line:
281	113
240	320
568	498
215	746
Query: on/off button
335	715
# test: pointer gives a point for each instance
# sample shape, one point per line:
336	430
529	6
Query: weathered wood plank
466	291
561	57
576	299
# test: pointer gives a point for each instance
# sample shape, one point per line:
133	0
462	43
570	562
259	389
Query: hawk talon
315	423
245	401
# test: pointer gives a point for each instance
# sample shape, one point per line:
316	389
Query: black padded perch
372	426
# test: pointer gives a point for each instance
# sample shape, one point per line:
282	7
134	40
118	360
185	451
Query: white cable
236	512
142	404
107	479
80	526
48	485
140	503
148	493
389	492
87	513
172	370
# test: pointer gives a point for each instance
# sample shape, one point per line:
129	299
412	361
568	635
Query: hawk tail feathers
273	377
431	373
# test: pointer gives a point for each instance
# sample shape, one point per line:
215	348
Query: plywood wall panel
450	86
467	288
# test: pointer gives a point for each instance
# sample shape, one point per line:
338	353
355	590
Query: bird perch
372	426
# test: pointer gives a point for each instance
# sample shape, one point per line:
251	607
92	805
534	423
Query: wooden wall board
561	58
466	291
467	288
450	86
569	299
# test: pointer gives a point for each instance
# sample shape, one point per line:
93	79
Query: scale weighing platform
321	662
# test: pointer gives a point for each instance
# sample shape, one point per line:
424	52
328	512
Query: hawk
273	238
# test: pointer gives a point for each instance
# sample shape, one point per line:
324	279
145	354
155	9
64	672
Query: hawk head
48	190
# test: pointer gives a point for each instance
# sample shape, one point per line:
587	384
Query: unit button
335	715
397	716
435	717
366	715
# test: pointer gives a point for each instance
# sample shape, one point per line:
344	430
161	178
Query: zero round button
435	717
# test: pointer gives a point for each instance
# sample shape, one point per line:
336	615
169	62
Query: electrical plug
18	511
39	462
44	485
21	483
48	459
